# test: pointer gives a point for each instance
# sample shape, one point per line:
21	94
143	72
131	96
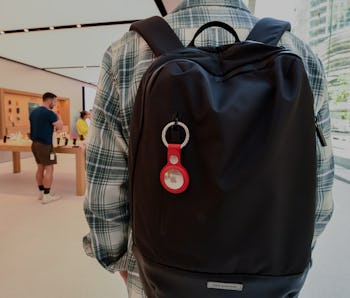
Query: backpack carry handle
214	24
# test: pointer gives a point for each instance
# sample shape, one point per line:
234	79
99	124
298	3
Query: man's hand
124	275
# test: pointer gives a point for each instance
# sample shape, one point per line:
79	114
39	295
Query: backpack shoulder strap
158	34
268	31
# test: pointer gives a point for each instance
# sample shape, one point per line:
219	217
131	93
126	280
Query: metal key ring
165	129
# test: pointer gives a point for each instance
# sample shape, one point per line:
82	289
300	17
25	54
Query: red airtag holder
174	177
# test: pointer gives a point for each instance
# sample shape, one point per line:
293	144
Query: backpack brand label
224	286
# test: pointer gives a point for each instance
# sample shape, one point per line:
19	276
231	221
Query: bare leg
48	176
39	175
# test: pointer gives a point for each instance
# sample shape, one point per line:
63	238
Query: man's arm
58	124
324	155
325	169
106	206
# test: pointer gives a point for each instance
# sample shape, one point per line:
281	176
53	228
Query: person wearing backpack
117	172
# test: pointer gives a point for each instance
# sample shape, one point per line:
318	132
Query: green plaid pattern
106	206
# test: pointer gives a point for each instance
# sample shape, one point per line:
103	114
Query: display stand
25	146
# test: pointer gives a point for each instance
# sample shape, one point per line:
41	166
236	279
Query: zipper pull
320	134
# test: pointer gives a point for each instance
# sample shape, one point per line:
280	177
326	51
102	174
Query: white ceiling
75	52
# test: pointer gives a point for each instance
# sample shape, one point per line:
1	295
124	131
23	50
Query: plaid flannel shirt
106	206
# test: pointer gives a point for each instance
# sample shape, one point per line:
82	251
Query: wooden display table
16	148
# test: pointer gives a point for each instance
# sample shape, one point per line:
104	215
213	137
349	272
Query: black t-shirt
41	128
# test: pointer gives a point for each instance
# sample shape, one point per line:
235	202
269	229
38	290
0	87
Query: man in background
43	122
106	206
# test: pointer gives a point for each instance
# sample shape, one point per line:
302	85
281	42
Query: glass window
325	25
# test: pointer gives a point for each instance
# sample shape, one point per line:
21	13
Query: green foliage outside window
339	89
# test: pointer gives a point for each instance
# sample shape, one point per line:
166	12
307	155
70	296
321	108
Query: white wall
21	77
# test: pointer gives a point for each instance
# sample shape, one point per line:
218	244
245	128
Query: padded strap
158	34
268	31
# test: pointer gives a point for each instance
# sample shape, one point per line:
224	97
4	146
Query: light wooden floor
41	254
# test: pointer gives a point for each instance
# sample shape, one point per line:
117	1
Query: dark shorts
43	154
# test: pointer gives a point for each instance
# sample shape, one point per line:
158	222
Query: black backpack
222	166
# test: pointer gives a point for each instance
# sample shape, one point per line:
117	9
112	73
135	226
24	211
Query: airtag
174	177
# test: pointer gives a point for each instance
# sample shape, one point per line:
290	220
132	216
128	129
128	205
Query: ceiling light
52	28
26	30
79	26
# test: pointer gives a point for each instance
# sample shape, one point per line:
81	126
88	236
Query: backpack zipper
320	134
